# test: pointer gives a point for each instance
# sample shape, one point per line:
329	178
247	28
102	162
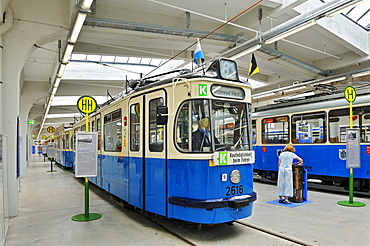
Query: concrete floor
49	200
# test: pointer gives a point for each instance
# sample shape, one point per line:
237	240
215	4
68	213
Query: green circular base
82	217
52	171
354	204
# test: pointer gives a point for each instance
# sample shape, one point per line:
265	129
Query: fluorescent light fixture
344	8
67	53
310	93
295	89
245	52
85	5
61	70
361	74
265	95
51	98
290	32
331	80
50	116
57	82
77	27
54	90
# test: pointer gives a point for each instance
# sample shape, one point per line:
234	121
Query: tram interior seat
156	146
334	140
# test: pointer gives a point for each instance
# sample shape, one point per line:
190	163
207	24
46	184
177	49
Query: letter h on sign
87	104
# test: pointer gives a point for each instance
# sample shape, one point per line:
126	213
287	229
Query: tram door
136	151
147	163
155	156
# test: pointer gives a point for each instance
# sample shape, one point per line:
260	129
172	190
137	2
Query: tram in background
179	147
64	154
317	129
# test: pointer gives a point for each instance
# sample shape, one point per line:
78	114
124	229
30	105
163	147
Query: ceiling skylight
360	15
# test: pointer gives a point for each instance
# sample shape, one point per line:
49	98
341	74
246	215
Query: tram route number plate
234	157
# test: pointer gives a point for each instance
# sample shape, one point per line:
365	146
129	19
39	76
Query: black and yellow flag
253	68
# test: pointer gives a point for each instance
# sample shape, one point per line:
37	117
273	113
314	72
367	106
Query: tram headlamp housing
235	176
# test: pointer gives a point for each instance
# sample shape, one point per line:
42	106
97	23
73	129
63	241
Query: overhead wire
200	39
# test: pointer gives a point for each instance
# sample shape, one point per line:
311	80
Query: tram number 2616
234	190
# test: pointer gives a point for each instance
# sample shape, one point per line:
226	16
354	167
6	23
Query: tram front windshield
212	125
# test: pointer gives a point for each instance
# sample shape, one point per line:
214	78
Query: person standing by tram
285	174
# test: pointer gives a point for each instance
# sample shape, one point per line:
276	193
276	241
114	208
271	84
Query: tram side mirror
162	115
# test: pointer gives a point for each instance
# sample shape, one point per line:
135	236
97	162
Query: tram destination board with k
233	157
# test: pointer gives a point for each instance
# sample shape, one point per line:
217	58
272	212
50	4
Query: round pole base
82	217
354	204
52	171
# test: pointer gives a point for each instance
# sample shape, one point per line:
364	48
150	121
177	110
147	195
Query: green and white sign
202	90
234	157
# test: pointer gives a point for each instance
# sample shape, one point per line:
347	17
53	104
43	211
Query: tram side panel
113	164
325	154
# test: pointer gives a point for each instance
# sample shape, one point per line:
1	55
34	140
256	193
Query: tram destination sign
227	92
234	157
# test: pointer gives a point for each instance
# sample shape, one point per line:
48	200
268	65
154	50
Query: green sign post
86	105
350	95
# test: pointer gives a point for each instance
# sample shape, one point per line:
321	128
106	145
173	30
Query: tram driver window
309	128
212	125
275	130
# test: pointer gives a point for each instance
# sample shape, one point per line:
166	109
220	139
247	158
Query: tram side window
275	130
155	131
339	121
113	131
309	128
67	141
98	128
254	131
63	141
135	127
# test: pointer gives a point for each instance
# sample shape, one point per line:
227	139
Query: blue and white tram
64	154
318	132
153	156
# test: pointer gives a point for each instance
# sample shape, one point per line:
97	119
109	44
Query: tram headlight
235	176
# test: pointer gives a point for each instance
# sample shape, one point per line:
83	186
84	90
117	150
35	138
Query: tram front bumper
232	202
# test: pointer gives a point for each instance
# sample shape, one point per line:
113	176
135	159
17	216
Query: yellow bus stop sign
86	104
50	129
350	94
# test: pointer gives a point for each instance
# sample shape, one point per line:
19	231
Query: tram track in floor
271	234
274	234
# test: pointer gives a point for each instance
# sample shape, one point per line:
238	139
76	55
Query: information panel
234	157
44	149
86	154
51	149
353	148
